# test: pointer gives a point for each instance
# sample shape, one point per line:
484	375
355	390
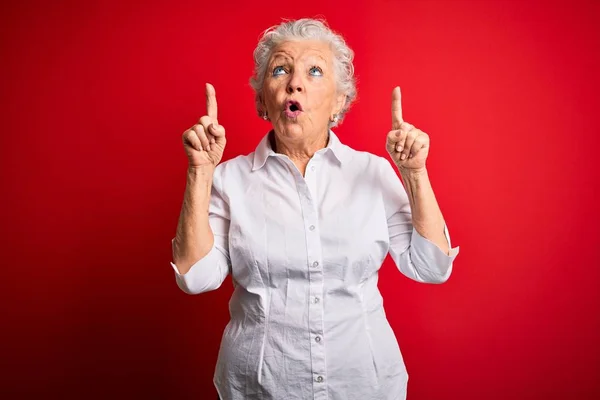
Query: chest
284	227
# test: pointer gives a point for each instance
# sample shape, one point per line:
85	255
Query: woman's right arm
194	238
200	261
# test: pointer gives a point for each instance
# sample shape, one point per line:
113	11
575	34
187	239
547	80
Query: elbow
434	274
203	276
186	289
430	264
193	288
438	279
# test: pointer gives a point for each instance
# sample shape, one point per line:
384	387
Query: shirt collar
264	150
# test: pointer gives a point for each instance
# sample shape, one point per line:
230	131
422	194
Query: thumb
216	130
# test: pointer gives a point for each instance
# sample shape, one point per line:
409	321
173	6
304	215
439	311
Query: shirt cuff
204	275
176	270
428	256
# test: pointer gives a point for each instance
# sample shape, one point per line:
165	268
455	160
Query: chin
291	128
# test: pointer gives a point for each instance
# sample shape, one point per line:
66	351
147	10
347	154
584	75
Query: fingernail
403	156
399	148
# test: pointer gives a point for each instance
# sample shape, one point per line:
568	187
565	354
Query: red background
95	97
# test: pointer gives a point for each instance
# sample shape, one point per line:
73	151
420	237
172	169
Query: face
299	92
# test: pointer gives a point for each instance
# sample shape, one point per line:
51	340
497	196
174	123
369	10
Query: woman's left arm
427	217
423	252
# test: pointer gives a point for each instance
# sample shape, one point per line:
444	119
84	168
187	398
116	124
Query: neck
300	150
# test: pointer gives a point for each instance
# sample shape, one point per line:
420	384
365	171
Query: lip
292	114
289	103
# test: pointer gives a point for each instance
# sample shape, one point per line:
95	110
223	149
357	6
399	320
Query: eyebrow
280	54
319	56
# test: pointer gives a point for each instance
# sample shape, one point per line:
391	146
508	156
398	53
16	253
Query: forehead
299	49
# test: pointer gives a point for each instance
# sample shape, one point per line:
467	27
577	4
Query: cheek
272	89
323	95
267	96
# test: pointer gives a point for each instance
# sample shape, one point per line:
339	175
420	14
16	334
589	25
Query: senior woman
303	224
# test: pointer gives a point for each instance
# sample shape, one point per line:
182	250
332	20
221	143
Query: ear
339	103
261	108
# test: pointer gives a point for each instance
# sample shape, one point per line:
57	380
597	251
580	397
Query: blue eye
316	71
278	71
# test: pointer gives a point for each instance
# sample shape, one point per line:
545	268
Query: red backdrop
95	96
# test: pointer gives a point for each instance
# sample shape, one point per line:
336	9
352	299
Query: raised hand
407	145
204	142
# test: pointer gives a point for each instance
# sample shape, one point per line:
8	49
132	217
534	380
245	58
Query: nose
295	84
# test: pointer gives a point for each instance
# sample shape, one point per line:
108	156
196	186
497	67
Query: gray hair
307	29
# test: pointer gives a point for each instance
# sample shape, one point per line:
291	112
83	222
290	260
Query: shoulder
366	162
234	168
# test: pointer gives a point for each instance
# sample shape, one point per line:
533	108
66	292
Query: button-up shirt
307	318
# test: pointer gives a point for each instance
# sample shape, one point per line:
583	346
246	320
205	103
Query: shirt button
316	300
318	339
312	168
319	378
312	228
316	264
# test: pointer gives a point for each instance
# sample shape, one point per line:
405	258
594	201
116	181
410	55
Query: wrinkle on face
317	94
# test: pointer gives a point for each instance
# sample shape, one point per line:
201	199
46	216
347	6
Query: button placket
315	277
311	178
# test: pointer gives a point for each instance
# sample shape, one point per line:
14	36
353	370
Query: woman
303	224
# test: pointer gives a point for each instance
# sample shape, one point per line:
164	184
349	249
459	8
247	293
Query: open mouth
293	106
292	109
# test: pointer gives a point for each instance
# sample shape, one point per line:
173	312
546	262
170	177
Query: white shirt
307	317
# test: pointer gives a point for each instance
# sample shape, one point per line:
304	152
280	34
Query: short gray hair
307	29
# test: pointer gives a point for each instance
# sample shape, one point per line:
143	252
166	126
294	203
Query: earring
335	118
265	116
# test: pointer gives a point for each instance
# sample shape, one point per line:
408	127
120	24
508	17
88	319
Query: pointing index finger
211	101
396	108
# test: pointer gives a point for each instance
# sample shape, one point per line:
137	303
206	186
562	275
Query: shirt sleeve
209	272
415	256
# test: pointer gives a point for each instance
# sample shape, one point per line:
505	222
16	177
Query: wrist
202	176
413	174
205	171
